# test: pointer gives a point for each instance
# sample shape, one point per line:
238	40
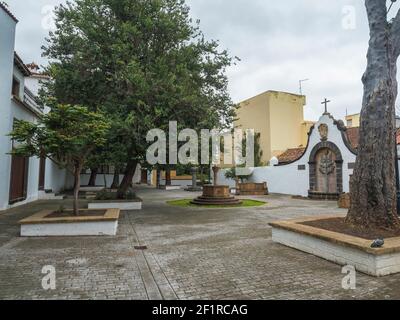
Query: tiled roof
21	66
35	73
353	136
291	155
6	10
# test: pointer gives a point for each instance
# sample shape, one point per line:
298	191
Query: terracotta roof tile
291	155
21	66
353	136
5	8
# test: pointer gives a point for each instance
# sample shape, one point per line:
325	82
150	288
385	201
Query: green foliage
143	63
67	135
130	194
61	209
106	195
258	153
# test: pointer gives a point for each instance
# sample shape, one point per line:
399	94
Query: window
15	87
350	123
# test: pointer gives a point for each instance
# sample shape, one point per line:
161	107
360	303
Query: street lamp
391	5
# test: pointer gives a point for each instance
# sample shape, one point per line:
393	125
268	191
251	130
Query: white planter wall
124	206
97	228
109	178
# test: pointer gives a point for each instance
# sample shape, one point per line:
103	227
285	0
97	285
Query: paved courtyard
192	254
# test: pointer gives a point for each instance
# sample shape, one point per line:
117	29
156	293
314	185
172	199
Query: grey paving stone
192	254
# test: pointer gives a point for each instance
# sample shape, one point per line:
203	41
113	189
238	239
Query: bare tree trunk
77	185
115	183
128	177
373	185
93	176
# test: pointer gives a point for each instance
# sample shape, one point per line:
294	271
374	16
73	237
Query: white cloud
279	43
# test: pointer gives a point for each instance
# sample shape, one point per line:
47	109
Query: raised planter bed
116	204
90	223
91	189
252	189
337	247
344	201
170	188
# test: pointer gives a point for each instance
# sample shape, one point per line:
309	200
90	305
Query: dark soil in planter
113	196
339	225
70	213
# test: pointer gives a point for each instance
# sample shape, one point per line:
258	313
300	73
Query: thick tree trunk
77	185
373	185
168	181
115	183
93	176
128	177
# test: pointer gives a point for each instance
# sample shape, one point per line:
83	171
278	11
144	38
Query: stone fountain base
216	195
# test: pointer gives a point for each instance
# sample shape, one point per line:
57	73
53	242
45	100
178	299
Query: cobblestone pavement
192	254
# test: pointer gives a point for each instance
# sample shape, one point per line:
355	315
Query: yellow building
353	121
279	118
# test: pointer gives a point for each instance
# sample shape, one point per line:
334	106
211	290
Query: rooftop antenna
301	85
391	5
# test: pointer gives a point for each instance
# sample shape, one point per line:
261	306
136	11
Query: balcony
31	100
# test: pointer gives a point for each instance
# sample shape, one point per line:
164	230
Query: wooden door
144	176
19	179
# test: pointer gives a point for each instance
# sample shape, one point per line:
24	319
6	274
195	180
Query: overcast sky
278	42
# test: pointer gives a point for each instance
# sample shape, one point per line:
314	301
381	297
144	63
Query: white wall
109	178
20	113
7	41
56	179
181	183
288	179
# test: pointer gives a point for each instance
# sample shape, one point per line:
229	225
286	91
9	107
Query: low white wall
290	179
181	183
97	228
107	179
56	179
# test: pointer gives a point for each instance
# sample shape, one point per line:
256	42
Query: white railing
31	100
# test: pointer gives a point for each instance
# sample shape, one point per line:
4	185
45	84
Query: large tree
142	61
373	185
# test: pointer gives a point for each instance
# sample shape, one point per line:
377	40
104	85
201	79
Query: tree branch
395	34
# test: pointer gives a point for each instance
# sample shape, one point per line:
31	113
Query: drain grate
140	248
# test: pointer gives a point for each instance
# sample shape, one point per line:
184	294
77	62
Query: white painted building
7	40
322	170
22	180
